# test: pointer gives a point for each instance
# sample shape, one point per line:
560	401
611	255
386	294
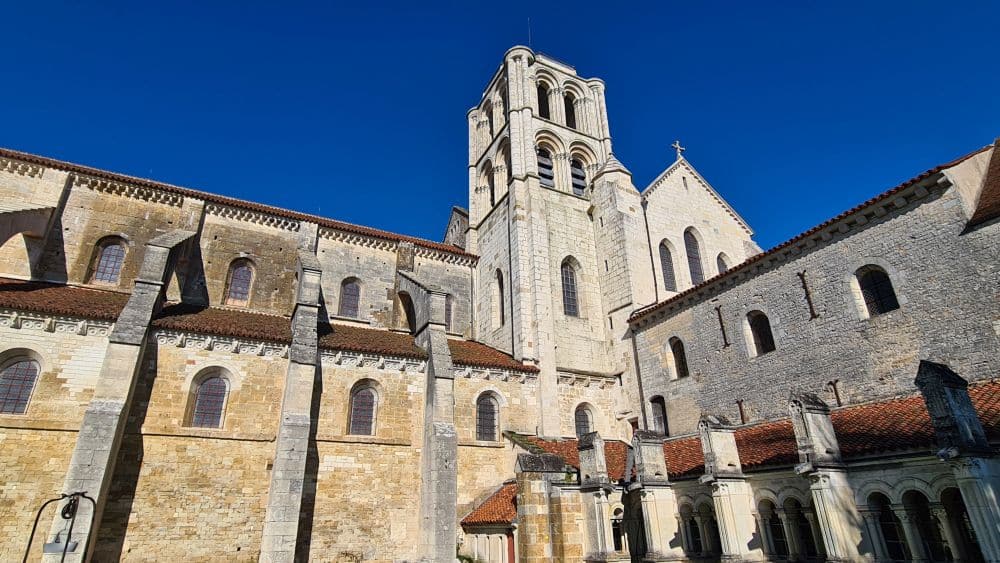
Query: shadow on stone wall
308	509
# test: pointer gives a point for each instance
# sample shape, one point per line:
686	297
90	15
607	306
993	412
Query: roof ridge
650	308
229	200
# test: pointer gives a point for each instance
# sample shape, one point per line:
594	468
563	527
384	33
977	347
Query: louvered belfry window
363	412
210	402
543	102
578	176
667	264
877	290
109	263
693	250
487	409
571	306
17	380
546	176
350	299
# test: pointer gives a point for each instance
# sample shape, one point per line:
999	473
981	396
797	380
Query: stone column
836	530
792	537
733	498
875	538
962	442
284	497
92	465
439	471
658	501
595	487
951	535
764	527
817	535
912	533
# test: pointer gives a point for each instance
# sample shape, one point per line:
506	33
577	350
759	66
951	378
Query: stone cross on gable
677	147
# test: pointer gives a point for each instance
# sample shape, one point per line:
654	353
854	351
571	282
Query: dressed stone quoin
582	370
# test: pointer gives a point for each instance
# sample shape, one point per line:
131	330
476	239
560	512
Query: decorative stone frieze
125	189
46	323
255	217
21	168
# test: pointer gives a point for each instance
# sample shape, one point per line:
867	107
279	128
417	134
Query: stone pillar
284	498
439	457
875	538
535	476
792	537
836	530
962	443
733	498
912	533
595	487
817	535
951	535
92	465
659	503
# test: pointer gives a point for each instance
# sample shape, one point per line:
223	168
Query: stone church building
582	370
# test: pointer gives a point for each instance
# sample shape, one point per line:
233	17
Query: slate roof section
230	201
73	301
988	206
58	299
499	509
884	196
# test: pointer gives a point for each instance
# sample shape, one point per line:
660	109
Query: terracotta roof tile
224	322
988	206
499	508
59	299
767	444
649	309
471	353
371	340
615	453
234	202
684	457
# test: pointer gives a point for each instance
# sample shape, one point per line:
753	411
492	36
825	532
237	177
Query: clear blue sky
794	111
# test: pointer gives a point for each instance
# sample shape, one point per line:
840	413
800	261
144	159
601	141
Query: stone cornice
10	318
493	374
250	216
229	344
376	361
125	189
22	168
446	257
357	239
587	380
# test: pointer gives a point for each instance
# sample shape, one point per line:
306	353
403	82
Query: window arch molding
204	405
773	323
108	260
723	263
668	265
240	294
581	167
362	418
554	174
349	297
9	359
547	83
694	253
852	287
676	352
488	181
592	416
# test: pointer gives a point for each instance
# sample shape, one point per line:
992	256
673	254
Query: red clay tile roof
767	444
224	322
649	309
361	339
988	206
470	353
499	508
684	457
58	299
233	202
615	453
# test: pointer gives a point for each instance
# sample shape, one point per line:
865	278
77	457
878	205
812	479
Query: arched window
578	176
498	298
693	250
491	183
892	529
659	408
583	421
487	419
570	111
364	408
543	102
876	289
17	380
108	261
760	330
210	402
571	305
617	529
350	298
680	359
240	282
722	262
546	175
448	309
667	265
